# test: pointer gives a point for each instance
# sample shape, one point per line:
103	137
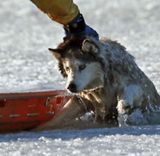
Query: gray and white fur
105	80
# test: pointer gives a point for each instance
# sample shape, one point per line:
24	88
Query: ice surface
26	64
142	141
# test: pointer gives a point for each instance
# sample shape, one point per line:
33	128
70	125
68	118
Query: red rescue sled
27	110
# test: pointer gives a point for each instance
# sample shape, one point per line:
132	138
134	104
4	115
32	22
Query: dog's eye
81	67
67	68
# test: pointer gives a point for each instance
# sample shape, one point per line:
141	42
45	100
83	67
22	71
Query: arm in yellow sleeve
61	11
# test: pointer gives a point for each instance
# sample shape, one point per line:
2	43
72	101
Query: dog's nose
72	87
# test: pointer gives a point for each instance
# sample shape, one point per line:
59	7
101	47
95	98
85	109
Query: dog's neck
102	100
101	92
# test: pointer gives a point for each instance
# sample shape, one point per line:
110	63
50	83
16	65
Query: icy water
26	64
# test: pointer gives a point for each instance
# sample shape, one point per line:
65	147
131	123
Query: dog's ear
89	45
56	52
58	55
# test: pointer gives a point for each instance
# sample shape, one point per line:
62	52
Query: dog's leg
72	109
130	99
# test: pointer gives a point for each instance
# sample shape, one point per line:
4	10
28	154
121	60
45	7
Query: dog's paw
123	107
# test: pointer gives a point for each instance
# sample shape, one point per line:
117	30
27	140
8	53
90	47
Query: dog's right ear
56	52
89	45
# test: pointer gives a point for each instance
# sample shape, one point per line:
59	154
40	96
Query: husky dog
106	80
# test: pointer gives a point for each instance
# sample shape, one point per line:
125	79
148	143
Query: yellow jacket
61	11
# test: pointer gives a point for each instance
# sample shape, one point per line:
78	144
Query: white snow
26	64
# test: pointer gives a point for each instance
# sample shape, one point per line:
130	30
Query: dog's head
80	63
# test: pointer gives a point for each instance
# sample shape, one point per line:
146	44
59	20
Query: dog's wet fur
105	79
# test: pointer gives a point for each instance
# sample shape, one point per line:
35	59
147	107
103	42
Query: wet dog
105	80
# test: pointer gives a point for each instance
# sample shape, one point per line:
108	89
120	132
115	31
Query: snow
108	141
26	64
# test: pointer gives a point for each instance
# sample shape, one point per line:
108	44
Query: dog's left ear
90	46
56	52
58	55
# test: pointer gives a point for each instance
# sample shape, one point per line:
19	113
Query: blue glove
78	28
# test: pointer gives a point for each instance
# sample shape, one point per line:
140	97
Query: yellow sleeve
61	11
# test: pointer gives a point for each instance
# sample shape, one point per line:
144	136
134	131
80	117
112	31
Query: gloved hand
78	28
